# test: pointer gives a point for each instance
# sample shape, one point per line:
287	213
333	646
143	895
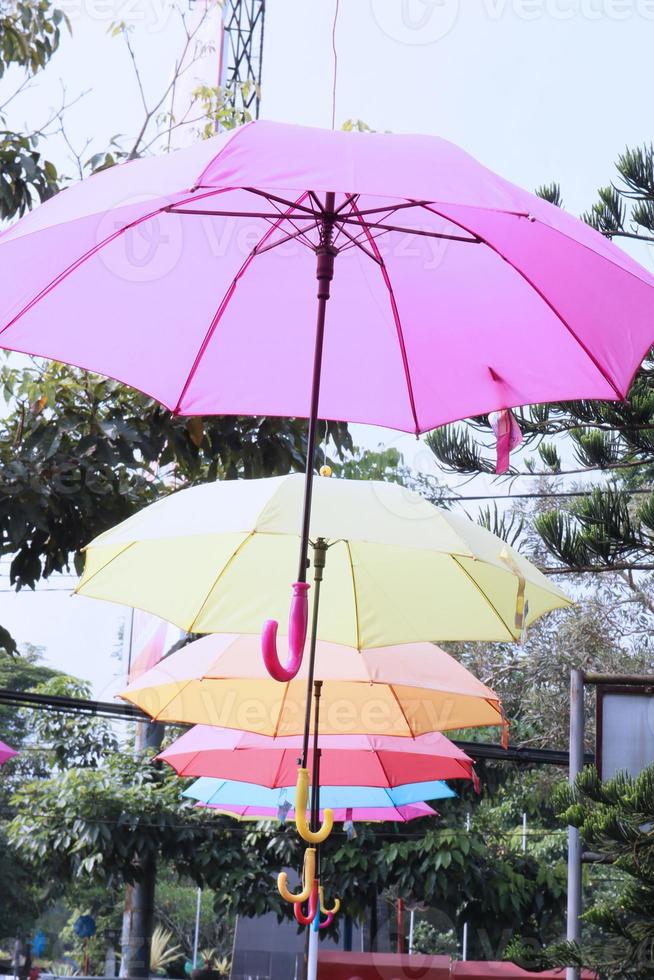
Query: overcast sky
536	89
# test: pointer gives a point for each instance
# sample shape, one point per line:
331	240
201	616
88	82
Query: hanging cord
336	11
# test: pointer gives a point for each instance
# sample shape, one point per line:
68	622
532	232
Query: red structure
391	966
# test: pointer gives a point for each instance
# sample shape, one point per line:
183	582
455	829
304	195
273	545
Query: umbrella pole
326	251
312	957
319	559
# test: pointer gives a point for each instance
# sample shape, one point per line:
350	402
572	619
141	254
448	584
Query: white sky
536	89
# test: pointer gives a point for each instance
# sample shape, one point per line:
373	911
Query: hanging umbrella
6	753
213	558
357	814
232	792
403	690
345	760
191	277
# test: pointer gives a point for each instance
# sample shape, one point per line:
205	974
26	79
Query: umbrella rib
484	596
275	778
414	231
540	293
220	574
396	317
281	708
356	241
221	309
412	734
89	255
354	591
129	545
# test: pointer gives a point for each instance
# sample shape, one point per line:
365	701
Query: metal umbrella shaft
325	253
312	951
319	559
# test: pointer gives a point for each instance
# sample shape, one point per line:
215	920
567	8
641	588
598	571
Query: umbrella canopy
345	760
217	557
6	753
460	292
220	680
358	814
231	792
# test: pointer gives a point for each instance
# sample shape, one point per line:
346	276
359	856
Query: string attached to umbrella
336	12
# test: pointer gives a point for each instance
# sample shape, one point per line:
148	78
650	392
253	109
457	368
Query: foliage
602	632
175	907
430	941
615	821
103	823
80	741
20	672
162	954
21	897
29	35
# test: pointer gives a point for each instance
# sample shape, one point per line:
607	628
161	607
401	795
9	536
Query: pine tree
615	819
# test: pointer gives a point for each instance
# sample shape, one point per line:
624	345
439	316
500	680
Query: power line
535	496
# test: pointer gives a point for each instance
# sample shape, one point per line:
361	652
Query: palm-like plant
162	954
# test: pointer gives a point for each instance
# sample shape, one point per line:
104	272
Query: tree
29	36
103	826
615	822
44	741
19	672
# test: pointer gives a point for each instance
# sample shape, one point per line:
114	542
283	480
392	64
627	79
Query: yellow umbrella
407	690
217	558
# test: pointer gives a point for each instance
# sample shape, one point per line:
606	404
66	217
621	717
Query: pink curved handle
325	924
312	907
297	633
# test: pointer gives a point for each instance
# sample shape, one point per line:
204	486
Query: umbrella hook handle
328	912
312	908
297	634
325	924
308	880
301	799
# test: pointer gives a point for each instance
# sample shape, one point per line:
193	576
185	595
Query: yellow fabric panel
168	578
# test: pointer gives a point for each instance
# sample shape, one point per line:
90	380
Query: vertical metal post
412	917
196	937
399	920
524	833
312	959
464	943
574	840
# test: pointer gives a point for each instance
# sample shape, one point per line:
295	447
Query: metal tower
242	53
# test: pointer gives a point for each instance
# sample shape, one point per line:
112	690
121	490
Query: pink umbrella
345	760
360	814
191	277
6	753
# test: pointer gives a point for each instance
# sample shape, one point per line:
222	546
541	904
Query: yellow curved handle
301	799
308	878
332	911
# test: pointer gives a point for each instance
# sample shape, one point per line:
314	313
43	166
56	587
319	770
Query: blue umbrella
230	792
